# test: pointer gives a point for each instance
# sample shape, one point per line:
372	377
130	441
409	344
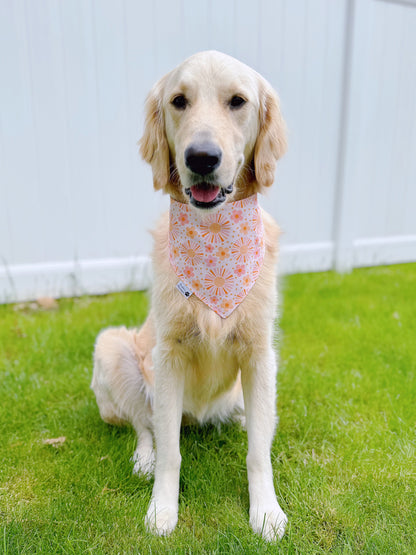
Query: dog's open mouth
205	192
207	195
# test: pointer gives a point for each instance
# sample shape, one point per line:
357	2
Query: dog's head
213	131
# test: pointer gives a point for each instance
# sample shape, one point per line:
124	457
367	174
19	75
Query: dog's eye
237	101
179	102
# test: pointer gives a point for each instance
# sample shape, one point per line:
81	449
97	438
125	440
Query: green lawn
344	455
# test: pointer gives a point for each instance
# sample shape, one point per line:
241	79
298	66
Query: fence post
344	195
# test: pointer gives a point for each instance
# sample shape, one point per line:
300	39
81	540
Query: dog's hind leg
123	385
144	455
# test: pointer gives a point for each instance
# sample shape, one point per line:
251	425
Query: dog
213	134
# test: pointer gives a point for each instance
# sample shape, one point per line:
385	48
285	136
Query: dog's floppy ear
271	141
154	145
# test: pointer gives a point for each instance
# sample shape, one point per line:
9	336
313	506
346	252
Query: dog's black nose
203	158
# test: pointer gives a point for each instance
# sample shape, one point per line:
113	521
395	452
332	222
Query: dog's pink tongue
204	193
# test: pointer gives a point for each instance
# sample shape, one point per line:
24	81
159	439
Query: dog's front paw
161	520
144	462
269	522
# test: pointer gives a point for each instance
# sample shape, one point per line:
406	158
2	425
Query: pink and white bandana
217	256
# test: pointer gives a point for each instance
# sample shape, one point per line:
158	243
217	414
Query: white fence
75	199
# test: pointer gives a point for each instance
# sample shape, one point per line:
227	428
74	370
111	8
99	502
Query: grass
344	455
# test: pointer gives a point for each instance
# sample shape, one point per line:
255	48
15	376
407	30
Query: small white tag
181	287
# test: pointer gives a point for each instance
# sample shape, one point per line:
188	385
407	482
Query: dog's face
213	131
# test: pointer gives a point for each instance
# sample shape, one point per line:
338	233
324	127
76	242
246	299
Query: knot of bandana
218	256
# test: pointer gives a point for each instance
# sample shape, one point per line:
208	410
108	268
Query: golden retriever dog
213	133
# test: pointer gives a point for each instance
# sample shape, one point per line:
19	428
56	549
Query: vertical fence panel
82	128
19	173
379	179
48	98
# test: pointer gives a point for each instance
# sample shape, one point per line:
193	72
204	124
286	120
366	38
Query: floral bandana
217	256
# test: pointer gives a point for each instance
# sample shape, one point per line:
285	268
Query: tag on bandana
181	287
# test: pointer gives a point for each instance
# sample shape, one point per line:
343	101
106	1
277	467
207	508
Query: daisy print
246	281
191	232
227	305
196	284
222	253
240	270
211	261
191	252
237	216
175	251
219	282
216	229
244	228
183	218
188	272
242	249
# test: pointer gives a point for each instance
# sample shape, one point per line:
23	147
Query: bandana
217	256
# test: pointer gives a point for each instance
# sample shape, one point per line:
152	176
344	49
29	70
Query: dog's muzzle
203	159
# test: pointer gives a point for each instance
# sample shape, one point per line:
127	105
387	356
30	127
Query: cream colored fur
186	360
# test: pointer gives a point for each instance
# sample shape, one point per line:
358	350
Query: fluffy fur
186	361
